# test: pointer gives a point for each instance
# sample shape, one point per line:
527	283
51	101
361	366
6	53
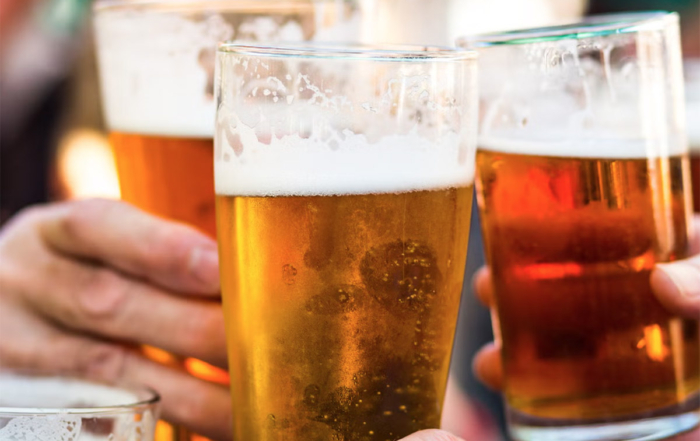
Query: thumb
677	286
432	435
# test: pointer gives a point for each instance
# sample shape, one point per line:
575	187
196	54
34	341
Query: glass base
640	430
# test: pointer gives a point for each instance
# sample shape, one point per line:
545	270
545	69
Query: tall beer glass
344	182
692	100
583	186
156	62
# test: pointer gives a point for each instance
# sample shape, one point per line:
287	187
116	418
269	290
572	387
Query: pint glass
43	408
583	185
692	100
156	63
344	182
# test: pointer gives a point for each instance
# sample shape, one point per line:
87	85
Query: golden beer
340	311
572	242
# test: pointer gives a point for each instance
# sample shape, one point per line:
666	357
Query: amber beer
573	240
170	176
344	305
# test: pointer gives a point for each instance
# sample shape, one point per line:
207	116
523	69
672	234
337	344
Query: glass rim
145	397
350	51
116	5
593	26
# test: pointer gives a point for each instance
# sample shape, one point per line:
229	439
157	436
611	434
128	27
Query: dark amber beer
574	240
694	141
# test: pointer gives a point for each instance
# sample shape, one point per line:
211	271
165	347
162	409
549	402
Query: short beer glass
35	407
583	185
344	181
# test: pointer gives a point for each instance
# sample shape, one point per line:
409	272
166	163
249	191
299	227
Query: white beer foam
155	66
39	396
603	148
293	166
50	392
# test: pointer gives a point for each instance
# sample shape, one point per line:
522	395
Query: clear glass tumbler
344	179
583	184
43	408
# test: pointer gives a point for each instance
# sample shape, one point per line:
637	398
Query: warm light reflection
159	355
654	343
205	371
164	431
86	166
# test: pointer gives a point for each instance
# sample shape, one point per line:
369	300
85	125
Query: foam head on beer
64	408
156	61
581	95
282	132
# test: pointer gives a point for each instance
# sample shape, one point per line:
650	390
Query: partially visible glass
692	101
344	182
583	184
48	408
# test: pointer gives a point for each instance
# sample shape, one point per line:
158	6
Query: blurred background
53	143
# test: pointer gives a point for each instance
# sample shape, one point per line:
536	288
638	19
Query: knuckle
202	330
104	294
80	215
196	408
173	241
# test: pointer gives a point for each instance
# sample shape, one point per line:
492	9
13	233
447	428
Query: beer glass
156	64
692	100
34	407
344	180
583	185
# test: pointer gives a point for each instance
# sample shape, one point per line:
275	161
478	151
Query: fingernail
205	266
685	277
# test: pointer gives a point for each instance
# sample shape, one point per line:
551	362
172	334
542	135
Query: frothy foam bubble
605	148
156	67
39	394
47	392
304	167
